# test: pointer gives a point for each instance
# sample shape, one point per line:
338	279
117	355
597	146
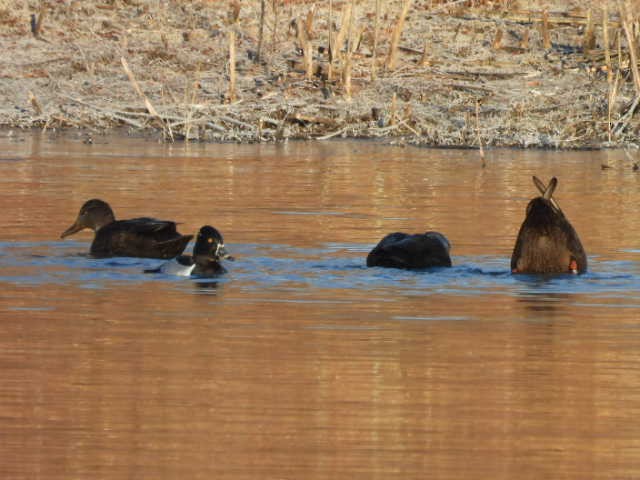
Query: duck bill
224	254
76	227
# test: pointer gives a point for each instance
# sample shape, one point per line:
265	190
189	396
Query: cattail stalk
374	48
589	40
524	43
605	40
395	37
274	6
546	39
613	93
424	60
233	16
232	65
344	26
628	30
393	112
302	33
330	38
261	31
482	159
346	72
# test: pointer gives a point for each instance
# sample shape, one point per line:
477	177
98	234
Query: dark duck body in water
138	237
208	252
417	251
547	243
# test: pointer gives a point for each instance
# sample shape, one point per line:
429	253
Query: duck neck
103	221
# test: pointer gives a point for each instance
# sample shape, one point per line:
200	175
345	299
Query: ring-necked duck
208	251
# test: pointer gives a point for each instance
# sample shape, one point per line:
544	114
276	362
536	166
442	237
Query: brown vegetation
447	73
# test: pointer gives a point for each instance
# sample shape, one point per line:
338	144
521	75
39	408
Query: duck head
547	242
94	215
210	246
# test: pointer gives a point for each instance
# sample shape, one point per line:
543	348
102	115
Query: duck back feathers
411	251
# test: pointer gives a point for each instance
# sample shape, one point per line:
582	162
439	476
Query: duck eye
210	240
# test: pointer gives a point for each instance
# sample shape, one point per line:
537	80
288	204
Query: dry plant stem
374	48
329	39
626	118
306	46
147	103
424	60
35	103
36	22
395	37
546	40
309	21
116	114
627	25
589	40
619	50
484	164
188	121
605	40
524	43
346	76
274	7
261	31
344	25
232	65
613	93
393	110
333	134
346	72
497	41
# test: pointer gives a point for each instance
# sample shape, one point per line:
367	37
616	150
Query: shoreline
461	77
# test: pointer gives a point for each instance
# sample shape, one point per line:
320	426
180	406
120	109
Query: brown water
301	363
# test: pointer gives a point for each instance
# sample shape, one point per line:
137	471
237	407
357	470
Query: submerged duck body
411	251
547	242
137	237
208	252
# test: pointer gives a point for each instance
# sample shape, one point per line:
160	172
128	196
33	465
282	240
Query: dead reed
234	75
392	57
233	17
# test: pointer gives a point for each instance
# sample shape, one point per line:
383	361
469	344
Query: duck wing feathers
139	237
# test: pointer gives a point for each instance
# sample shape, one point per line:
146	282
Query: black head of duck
547	242
137	237
208	253
411	251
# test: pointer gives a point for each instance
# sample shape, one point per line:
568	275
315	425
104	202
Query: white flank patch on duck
173	267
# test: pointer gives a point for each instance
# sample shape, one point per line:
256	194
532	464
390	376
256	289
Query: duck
411	251
547	243
208	251
137	237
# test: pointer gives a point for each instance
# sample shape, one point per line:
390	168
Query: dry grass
458	73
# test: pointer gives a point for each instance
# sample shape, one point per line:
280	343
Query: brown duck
137	237
547	243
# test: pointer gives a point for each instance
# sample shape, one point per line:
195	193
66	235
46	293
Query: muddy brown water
301	363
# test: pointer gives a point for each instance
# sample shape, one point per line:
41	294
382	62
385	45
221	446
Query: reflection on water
301	362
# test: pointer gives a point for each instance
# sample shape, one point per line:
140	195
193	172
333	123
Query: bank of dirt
464	73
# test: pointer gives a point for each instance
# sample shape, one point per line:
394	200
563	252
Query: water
301	362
